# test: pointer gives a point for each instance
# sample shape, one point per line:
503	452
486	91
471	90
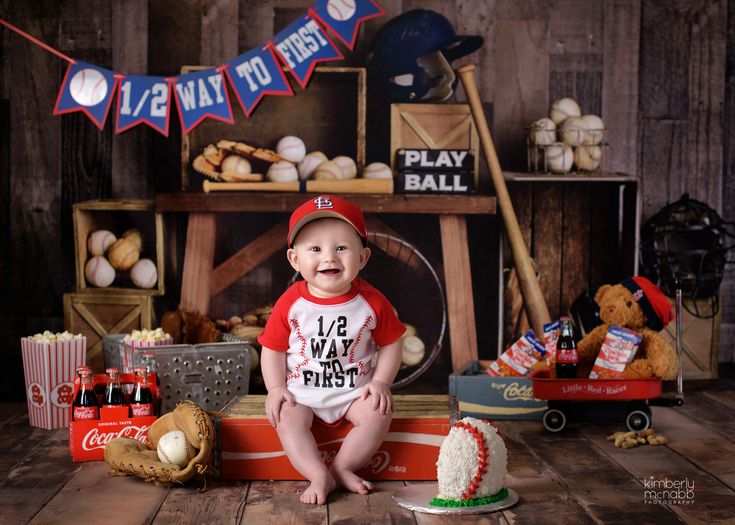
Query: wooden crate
700	340
118	216
433	126
96	316
329	116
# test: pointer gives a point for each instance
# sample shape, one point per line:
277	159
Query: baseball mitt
126	456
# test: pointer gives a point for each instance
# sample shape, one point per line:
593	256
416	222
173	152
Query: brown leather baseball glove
127	456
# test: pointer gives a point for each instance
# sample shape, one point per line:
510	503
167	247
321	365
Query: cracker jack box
435	171
48	368
248	447
474	393
87	439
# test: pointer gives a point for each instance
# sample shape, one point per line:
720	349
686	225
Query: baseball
341	10
413	350
122	254
559	157
88	87
587	158
99	272
291	148
282	171
573	131
377	170
563	108
543	132
144	274
347	165
328	170
98	242
174	448
237	164
133	235
410	330
595	130
311	162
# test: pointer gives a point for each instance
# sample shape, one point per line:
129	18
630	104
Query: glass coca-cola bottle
85	405
141	400
566	350
114	395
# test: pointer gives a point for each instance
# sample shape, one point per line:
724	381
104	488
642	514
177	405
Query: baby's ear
364	256
293	259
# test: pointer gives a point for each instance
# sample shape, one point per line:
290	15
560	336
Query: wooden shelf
569	177
287	202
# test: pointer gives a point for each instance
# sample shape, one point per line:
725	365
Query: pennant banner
143	99
302	45
344	17
254	75
204	94
200	95
89	89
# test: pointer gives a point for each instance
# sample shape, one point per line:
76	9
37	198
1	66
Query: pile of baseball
247	326
231	161
413	348
108	254
568	138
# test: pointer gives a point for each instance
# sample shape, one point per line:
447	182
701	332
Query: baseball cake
472	465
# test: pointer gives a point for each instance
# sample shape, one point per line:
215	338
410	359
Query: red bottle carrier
544	387
87	439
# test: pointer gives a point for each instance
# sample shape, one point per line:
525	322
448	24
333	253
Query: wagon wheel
638	418
555	420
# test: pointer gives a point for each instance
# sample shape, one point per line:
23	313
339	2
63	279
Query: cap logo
323	203
638	295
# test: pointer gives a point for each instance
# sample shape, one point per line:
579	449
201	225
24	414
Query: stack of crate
121	307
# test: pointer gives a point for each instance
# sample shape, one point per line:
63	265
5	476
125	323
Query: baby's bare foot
350	481
316	493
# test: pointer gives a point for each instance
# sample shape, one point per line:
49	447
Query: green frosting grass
472	502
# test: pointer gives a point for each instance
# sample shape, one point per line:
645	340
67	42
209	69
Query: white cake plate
416	497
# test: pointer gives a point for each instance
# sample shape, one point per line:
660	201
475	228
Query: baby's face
329	254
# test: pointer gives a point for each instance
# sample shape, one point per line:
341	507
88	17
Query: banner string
36	41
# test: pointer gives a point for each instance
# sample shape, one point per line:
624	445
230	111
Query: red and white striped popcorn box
129	348
49	369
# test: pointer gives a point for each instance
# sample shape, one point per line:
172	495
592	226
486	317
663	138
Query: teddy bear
639	305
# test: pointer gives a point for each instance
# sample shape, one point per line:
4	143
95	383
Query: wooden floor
576	477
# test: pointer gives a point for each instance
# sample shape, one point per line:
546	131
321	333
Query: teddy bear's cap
652	301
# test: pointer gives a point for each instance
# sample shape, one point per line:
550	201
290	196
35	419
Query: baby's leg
359	445
294	431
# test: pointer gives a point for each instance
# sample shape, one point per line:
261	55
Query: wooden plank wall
659	72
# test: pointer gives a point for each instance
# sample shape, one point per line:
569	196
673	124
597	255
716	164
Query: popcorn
519	358
49	337
147	336
617	351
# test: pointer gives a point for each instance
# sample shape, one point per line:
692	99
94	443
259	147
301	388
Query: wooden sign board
448	160
415	181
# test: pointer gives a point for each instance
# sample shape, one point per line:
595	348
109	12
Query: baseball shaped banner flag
89	89
200	95
302	45
343	17
254	75
143	99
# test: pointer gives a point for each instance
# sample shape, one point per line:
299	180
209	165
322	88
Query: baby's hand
273	401
382	397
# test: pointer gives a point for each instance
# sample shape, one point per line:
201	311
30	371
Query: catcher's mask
684	245
411	56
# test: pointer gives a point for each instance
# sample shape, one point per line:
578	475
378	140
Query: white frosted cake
472	465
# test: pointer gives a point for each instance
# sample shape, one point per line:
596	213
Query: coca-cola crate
472	392
87	438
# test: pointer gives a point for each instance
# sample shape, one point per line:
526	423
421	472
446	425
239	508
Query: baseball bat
535	304
311	186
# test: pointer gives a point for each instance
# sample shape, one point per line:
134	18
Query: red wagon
606	399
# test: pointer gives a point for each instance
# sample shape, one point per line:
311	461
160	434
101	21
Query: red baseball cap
652	301
322	207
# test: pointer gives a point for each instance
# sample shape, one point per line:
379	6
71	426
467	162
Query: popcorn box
49	368
248	447
87	438
129	346
474	393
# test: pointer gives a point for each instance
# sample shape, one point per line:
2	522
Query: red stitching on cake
297	371
482	456
359	338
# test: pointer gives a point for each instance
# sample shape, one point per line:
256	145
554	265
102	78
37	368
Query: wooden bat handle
535	304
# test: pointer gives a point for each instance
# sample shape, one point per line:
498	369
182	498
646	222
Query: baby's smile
330	271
